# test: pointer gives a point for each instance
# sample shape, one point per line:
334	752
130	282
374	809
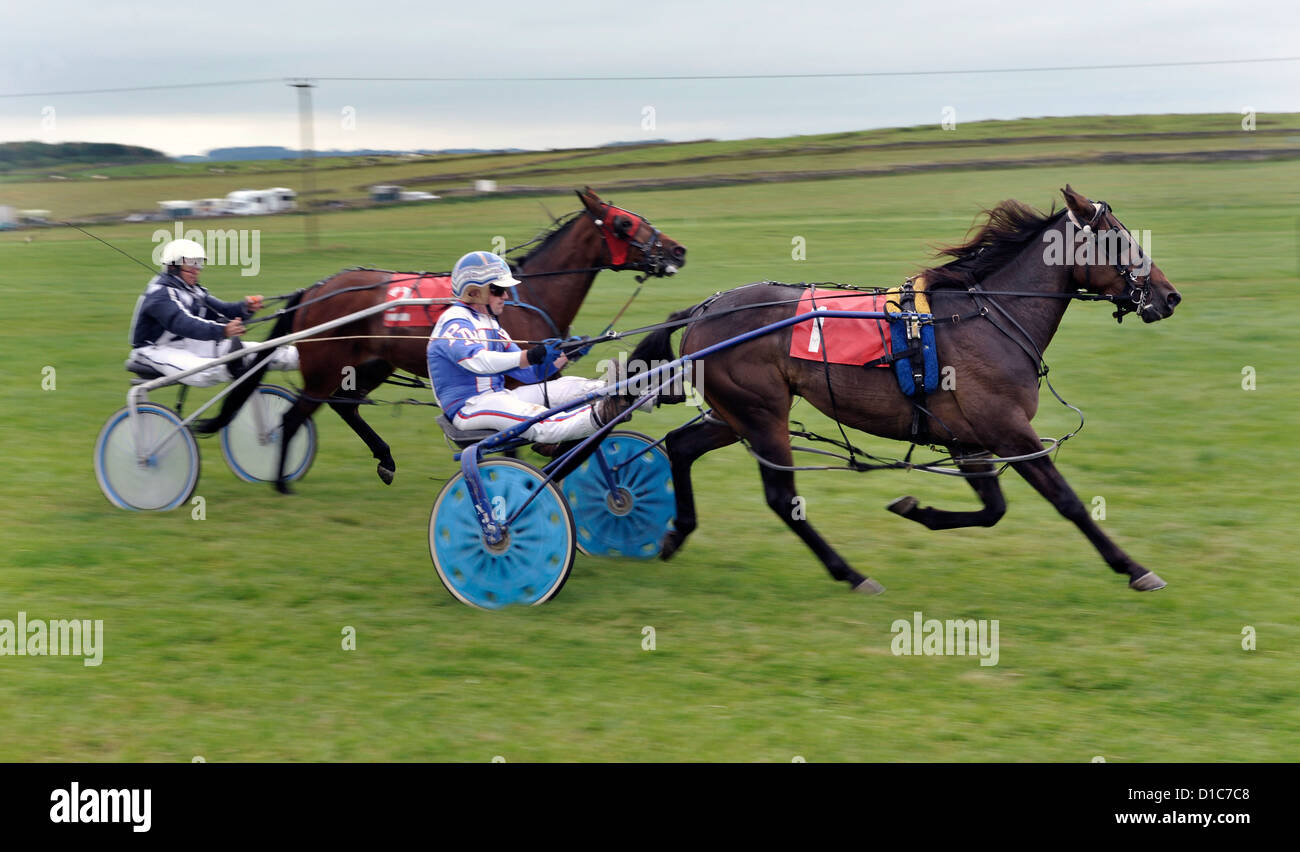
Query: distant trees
35	155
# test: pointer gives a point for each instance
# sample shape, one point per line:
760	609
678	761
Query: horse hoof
283	487
669	547
386	474
869	586
1148	582
902	506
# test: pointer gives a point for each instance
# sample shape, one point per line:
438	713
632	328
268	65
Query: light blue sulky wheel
149	465
530	566
631	520
251	443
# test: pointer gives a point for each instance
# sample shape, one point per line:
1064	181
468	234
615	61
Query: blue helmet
476	272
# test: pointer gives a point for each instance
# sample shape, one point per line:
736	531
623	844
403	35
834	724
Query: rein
410	276
986	308
653	263
1035	355
873	291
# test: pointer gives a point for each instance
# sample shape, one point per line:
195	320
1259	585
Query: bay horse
1013	294
556	275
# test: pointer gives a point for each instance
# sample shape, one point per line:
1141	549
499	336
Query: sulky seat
144	374
462	438
467	437
147	374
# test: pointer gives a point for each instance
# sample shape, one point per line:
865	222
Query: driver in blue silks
470	355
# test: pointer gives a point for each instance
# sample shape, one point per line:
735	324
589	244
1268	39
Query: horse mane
543	238
1007	228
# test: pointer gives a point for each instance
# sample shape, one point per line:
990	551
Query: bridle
1136	295
622	230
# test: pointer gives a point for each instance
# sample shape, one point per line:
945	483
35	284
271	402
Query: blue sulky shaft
494	532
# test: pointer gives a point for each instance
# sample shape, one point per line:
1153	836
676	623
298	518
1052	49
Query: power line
143	88
810	76
675	77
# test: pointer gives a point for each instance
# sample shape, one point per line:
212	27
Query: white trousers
502	409
182	355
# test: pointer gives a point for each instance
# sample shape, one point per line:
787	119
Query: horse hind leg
772	444
370	375
684	445
986	487
386	466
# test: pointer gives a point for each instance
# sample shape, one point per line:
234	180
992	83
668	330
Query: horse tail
284	322
657	348
237	397
658	344
283	325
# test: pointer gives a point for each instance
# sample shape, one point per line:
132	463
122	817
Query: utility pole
304	86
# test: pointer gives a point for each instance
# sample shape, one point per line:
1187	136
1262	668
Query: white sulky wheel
251	441
530	566
168	473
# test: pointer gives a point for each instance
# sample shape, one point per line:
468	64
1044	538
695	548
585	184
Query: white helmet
476	272
183	253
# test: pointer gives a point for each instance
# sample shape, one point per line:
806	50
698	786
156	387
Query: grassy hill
26	158
977	145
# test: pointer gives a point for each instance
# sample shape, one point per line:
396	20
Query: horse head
630	240
1108	260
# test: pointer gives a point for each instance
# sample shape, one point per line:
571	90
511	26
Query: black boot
607	408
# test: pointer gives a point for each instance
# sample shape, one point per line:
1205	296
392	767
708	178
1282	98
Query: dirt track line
532	170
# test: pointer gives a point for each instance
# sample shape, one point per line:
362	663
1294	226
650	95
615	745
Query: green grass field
223	635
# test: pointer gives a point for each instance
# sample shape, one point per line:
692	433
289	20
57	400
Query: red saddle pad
410	286
844	340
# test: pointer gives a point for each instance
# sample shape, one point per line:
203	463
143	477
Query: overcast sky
87	44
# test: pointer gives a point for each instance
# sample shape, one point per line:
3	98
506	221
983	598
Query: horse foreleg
303	407
986	487
773	446
684	446
1048	481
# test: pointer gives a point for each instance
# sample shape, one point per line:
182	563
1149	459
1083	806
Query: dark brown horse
995	351
556	274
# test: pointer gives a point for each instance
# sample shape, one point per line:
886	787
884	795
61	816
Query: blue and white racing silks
470	353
